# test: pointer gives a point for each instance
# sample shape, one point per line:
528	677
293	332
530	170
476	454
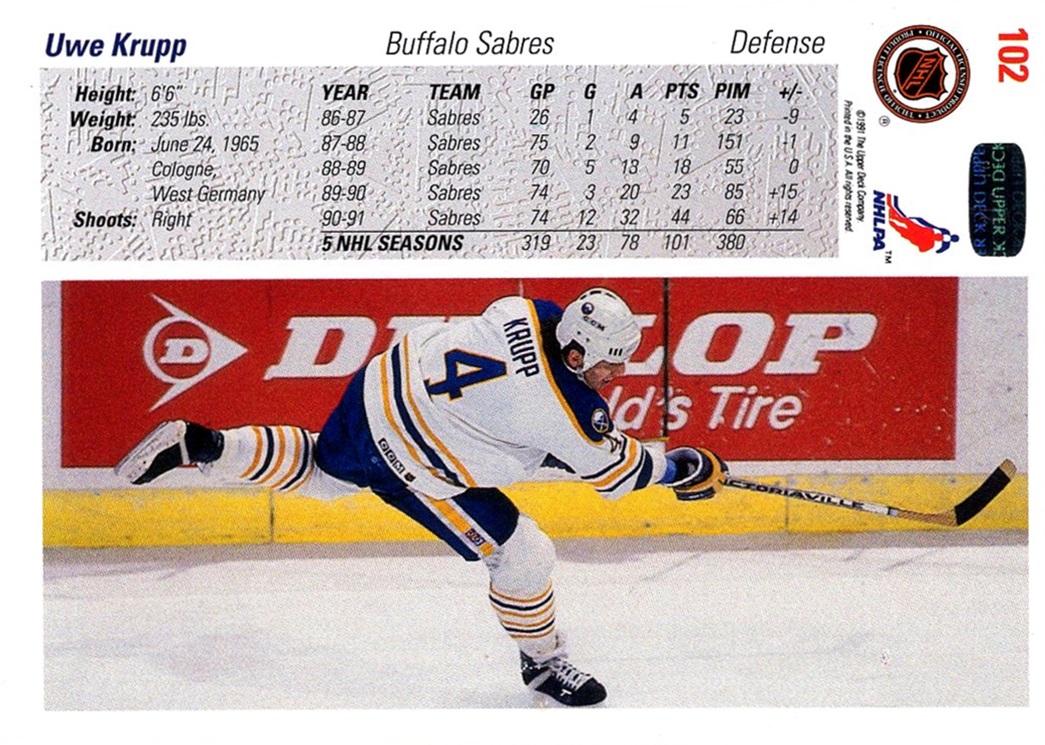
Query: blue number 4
464	369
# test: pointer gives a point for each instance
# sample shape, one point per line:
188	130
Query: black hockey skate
172	444
560	680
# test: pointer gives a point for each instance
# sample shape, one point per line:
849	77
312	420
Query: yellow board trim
156	517
149	517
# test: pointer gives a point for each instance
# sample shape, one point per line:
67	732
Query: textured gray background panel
656	187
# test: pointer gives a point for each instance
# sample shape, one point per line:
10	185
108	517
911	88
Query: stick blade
992	486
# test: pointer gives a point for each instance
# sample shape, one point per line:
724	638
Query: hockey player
438	422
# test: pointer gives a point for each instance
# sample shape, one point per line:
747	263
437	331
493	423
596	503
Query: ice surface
904	621
896	620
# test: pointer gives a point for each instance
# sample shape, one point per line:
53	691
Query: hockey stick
964	511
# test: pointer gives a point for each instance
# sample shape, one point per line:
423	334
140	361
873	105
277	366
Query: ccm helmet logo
586	310
593	323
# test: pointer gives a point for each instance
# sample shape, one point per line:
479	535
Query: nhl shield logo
921	74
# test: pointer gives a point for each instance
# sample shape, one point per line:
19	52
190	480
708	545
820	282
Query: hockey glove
698	473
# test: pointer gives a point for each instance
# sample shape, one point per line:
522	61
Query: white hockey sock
521	588
278	457
530	621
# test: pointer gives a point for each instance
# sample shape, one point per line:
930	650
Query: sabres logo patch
600	421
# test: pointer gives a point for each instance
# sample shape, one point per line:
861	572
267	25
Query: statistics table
430	161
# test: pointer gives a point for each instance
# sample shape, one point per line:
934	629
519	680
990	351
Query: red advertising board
225	353
776	369
815	369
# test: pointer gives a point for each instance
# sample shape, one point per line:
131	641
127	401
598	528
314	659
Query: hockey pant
479	524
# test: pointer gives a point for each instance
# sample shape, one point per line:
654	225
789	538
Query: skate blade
540	701
133	465
543	701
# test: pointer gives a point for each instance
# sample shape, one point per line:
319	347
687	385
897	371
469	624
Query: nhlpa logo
915	230
181	351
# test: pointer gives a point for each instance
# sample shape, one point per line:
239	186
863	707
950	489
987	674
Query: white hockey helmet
602	324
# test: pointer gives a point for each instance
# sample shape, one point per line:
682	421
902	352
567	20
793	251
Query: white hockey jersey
482	402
